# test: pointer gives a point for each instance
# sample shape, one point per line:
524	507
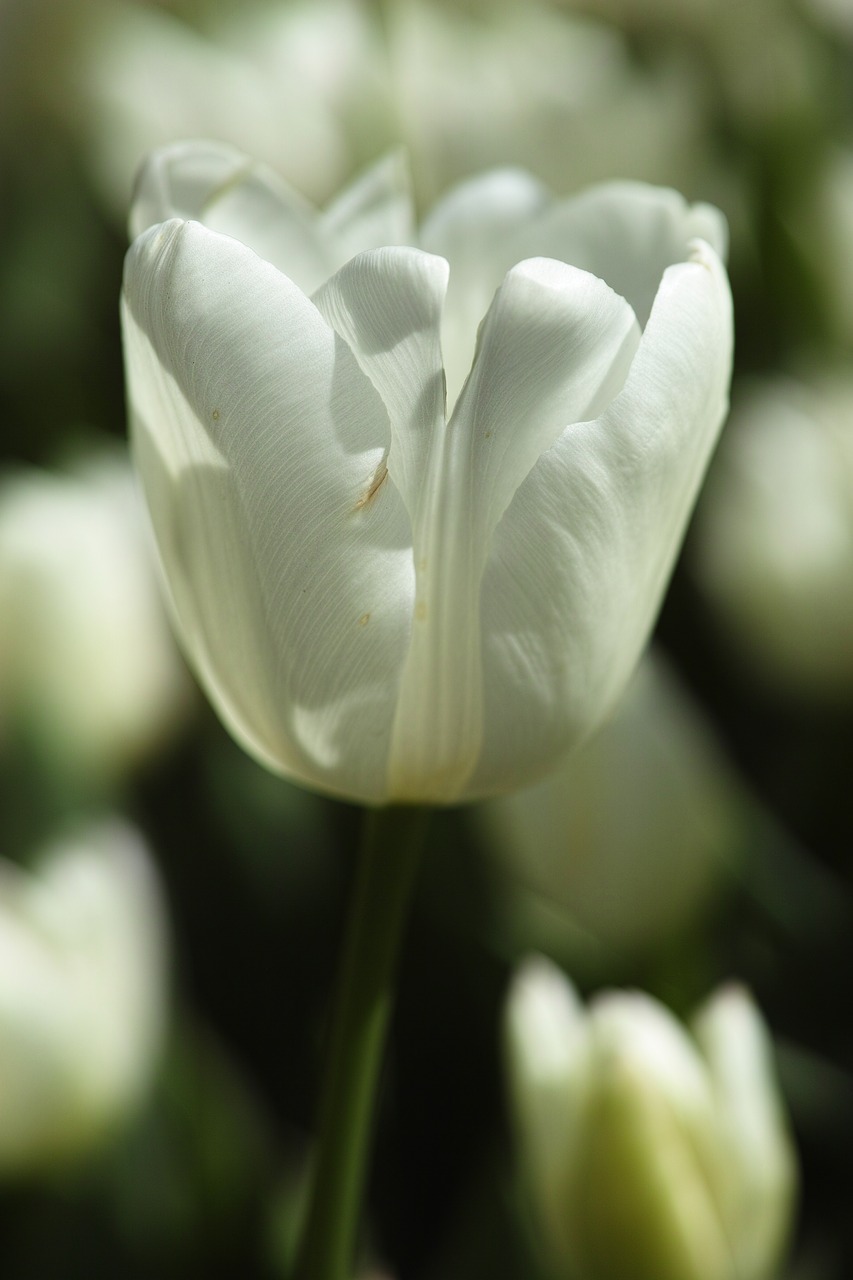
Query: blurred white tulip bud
463	91
820	220
836	15
633	832
82	994
87	661
139	77
526	84
773	544
762	56
651	1152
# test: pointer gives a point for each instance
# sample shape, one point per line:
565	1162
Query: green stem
390	851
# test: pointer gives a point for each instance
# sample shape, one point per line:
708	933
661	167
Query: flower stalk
392	841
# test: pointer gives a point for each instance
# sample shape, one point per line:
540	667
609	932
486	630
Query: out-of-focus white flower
820	219
835	14
304	85
676	14
82	994
631	834
651	1152
526	84
402	576
774	535
761	58
462	90
87	661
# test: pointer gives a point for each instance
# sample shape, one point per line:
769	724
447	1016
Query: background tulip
140	75
774	537
82	994
88	669
651	1153
559	94
634	835
383	601
555	92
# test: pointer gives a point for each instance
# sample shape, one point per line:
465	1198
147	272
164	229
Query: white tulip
86	659
530	84
836	15
631	834
820	218
82	994
517	83
773	544
401	575
651	1152
136	76
762	57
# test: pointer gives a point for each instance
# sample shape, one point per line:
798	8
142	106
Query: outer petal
258	439
758	1178
546	1032
227	191
581	559
218	185
555	342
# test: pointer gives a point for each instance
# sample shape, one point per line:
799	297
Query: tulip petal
547	1036
218	185
386	305
760	1171
375	211
581	558
640	1199
258	439
213	183
470	227
554	348
556	343
627	233
181	180
479	214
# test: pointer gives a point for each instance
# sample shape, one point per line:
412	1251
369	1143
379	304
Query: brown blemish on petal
215	415
364	619
375	485
421	611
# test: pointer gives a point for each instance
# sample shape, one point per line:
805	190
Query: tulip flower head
418	496
651	1152
774	536
632	835
83	976
88	666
